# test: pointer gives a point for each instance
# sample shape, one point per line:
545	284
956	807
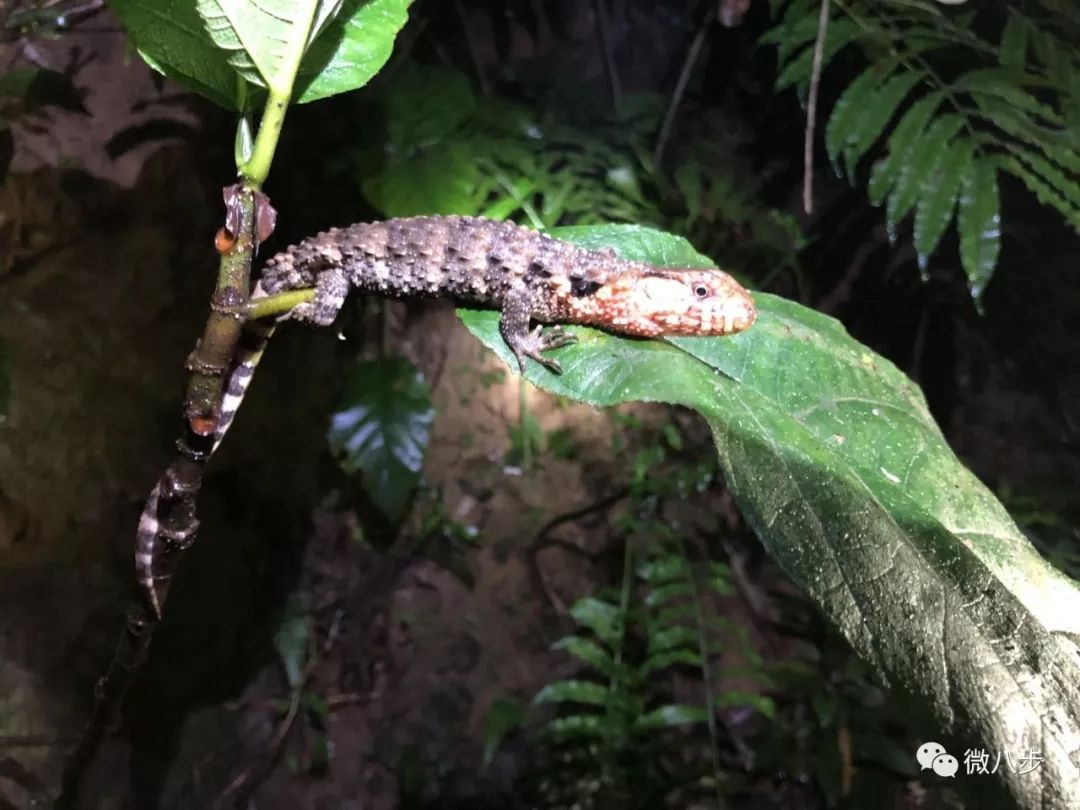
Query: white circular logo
945	765
926	753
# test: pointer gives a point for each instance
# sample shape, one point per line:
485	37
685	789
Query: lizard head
684	302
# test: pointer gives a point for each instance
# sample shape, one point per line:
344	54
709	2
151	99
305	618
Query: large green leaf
224	49
381	429
352	49
834	459
170	36
265	41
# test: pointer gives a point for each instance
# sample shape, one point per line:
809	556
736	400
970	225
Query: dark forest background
358	631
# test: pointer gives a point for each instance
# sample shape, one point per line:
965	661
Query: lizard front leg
517	310
331	288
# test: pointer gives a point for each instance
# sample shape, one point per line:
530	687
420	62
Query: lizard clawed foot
537	341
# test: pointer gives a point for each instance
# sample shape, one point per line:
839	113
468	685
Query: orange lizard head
658	301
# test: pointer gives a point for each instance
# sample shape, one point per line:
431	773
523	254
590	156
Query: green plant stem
257	167
277	304
210	359
255	170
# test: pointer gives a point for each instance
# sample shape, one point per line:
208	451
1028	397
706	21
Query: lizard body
527	275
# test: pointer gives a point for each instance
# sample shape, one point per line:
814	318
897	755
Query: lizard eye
701	291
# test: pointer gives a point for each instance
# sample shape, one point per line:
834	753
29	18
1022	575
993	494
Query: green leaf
573	691
797	71
240	45
590	652
444	179
423	107
834	460
578	727
663	568
979	223
1060	145
1065	186
1045	192
875	114
505	715
798	27
664	639
352	49
1014	41
937	198
852	103
682	656
380	429
600	617
922	161
911	126
735	697
170	36
665	593
265	41
671	716
1008	85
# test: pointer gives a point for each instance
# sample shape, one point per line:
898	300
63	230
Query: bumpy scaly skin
527	275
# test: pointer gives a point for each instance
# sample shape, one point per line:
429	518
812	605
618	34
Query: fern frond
1014	98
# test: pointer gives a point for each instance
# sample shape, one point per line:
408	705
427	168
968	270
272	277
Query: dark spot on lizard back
583	287
537	270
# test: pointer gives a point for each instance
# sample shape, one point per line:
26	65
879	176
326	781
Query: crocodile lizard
528	276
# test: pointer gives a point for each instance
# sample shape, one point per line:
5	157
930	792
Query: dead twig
680	86
542	541
603	34
811	109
